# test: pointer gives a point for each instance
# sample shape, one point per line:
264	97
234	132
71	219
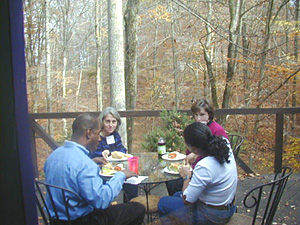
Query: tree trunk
155	46
296	50
48	68
296	55
235	14
263	62
246	45
131	24
78	90
116	60
98	36
208	55
66	38
174	57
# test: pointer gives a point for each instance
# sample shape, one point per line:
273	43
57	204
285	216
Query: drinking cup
133	164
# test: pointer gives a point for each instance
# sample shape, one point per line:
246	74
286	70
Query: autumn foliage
198	49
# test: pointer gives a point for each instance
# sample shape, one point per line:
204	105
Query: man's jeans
171	208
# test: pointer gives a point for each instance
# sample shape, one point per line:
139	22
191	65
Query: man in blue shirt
69	166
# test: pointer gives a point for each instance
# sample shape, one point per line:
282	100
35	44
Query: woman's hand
191	158
105	154
185	201
185	171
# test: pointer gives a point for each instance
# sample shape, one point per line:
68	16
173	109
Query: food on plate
119	167
108	166
175	167
108	169
117	155
127	155
172	155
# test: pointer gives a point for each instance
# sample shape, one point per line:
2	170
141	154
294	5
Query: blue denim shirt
69	166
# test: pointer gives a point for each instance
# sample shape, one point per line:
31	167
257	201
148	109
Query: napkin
135	180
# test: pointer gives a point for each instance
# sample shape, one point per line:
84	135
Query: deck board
288	208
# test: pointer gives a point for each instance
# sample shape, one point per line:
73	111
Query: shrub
173	124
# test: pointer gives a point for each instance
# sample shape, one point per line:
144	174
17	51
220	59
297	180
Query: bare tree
296	48
116	60
271	18
208	55
78	89
66	36
246	52
35	36
235	7
98	36
131	24
174	57
48	66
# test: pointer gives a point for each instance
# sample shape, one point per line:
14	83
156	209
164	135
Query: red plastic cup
133	164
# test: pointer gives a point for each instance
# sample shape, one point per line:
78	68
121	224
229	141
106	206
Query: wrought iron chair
236	141
42	189
270	193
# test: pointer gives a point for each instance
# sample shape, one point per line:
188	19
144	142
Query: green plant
173	124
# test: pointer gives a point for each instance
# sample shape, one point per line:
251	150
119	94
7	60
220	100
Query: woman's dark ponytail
199	135
218	148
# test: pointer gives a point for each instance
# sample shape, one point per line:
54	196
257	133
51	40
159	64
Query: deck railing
36	129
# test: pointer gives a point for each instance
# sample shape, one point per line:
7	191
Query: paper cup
133	164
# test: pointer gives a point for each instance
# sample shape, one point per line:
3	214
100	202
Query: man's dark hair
84	122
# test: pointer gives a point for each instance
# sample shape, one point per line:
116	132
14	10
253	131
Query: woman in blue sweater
111	141
110	138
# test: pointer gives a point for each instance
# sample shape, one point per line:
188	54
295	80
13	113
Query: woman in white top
207	196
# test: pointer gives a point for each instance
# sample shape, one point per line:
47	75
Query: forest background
237	53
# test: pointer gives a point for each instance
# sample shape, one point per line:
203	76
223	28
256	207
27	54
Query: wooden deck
288	209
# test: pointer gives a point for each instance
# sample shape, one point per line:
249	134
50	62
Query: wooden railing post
33	149
278	142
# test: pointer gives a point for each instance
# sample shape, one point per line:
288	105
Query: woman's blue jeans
196	213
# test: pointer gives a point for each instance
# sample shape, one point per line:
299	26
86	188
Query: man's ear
88	133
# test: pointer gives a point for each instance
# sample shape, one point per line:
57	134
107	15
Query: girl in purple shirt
203	112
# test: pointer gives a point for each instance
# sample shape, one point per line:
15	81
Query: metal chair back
270	193
42	190
236	141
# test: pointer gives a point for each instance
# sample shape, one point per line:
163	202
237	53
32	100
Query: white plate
166	169
111	159
112	171
179	156
103	175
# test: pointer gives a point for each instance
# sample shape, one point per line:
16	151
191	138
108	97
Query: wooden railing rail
279	112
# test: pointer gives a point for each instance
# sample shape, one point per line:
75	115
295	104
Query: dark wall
17	201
